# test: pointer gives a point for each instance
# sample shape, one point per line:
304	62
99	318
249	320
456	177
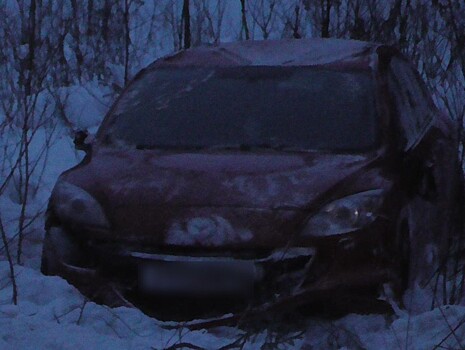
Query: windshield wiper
274	146
240	146
250	147
281	147
167	147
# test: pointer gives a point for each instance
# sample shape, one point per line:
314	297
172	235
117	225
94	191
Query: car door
430	174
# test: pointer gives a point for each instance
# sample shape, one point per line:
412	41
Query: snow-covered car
272	172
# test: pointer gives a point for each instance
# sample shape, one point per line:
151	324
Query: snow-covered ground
51	314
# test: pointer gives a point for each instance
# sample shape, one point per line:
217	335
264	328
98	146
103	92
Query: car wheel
58	246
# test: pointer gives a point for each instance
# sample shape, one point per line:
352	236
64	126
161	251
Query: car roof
284	52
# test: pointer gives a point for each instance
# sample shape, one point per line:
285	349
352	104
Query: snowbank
52	314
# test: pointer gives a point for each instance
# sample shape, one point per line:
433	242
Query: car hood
213	199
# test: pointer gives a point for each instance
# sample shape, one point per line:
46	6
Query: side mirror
80	137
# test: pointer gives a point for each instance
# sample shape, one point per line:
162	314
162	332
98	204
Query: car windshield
303	108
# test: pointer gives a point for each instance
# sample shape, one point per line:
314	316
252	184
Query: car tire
58	246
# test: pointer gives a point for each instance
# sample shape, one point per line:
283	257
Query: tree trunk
186	18
106	20
90	13
325	18
32	45
75	33
127	41
245	26
296	28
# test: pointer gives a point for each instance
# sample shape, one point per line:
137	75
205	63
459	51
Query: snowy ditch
51	314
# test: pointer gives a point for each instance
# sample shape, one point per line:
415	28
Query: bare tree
292	15
24	80
263	13
173	23
214	18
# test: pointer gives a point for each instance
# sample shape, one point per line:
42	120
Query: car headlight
345	215
72	204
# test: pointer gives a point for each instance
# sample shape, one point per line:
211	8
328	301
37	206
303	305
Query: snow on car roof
288	52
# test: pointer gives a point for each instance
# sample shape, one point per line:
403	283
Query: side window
414	106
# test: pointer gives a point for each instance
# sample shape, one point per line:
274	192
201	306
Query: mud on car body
278	171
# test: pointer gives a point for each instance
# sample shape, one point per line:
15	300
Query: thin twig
10	263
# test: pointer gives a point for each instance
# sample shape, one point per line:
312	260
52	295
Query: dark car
273	172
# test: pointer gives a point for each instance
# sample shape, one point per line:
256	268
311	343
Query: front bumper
291	275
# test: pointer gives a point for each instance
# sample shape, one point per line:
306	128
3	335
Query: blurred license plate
197	277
